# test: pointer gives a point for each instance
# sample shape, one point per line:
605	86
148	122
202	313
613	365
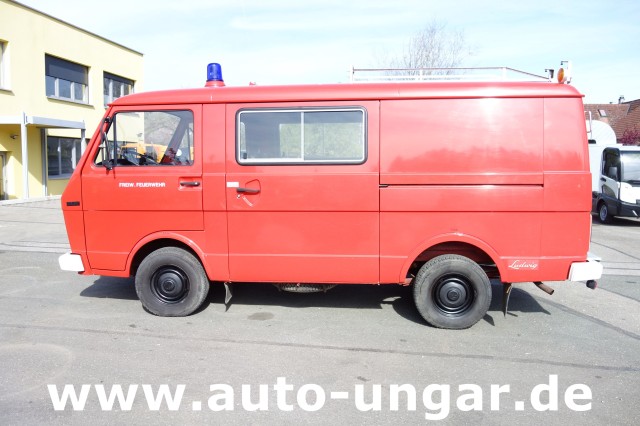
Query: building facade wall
28	36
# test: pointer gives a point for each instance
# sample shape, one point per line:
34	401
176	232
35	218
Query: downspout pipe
25	156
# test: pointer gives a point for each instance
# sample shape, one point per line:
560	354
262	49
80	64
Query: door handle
190	183
247	190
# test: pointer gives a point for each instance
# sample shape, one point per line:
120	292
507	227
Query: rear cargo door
302	192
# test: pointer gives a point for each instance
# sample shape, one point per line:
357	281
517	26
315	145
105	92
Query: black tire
452	291
171	282
603	213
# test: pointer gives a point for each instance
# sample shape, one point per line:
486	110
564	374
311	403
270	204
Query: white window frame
73	89
75	155
110	97
4	65
74	85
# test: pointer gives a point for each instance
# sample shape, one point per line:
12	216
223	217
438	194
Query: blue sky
297	41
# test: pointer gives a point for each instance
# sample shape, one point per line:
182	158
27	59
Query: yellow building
55	81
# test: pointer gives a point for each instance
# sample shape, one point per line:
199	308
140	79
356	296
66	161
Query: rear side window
326	136
148	138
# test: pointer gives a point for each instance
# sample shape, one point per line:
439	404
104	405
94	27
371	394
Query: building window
4	68
66	80
63	155
115	87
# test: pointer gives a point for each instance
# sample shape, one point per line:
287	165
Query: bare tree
435	46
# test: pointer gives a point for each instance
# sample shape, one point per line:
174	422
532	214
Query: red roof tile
621	117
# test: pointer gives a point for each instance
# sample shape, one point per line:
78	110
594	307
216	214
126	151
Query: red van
442	185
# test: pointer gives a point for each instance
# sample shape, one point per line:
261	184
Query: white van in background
615	174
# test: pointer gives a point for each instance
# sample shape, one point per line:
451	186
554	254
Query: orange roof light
564	73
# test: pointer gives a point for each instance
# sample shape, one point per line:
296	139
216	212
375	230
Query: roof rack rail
364	75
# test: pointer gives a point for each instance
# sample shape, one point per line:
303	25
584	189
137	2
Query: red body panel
496	170
471	141
215	241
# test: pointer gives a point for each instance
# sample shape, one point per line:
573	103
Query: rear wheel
452	291
171	282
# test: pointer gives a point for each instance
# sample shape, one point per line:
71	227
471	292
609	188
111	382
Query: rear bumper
71	262
586	271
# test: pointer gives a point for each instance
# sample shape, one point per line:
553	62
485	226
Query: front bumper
628	210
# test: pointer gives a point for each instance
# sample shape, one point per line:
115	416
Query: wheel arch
454	243
154	242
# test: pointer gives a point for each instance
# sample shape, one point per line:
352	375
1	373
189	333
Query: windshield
630	167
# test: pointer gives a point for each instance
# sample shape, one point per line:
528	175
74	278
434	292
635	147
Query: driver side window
148	138
611	164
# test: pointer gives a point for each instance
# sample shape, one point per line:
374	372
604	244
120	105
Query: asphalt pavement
35	226
58	328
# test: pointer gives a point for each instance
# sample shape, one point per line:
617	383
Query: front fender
185	238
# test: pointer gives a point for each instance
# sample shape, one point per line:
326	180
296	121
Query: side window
66	80
325	136
148	138
611	165
4	68
63	155
115	87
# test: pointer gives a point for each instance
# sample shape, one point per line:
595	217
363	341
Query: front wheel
171	282
452	291
603	213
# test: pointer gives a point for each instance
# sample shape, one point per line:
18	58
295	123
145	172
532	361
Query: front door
302	192
142	180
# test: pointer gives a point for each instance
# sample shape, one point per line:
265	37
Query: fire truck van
441	185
